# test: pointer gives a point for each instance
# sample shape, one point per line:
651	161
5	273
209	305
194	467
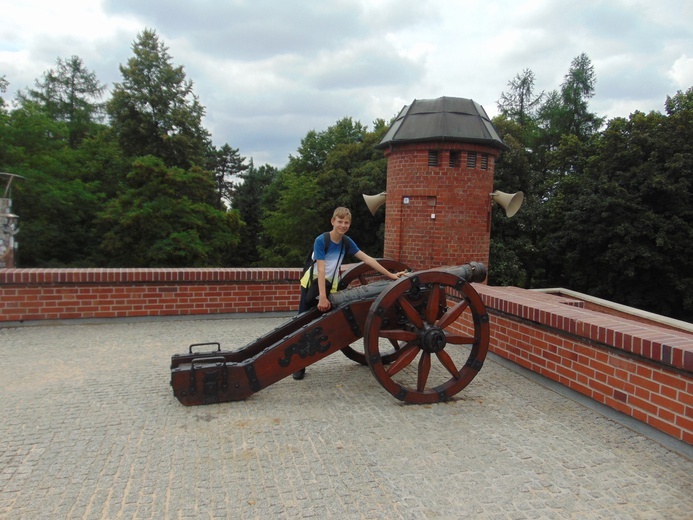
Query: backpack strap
326	238
307	276
342	253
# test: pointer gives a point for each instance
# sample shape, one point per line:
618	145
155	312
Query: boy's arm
374	264
323	302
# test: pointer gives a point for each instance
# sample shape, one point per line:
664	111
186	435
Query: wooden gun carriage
433	315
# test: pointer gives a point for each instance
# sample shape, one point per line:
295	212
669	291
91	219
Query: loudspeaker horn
374	201
511	202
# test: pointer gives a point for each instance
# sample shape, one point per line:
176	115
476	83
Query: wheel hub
433	340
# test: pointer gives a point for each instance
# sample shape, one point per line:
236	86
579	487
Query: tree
625	224
513	252
57	220
3	88
4	118
576	90
550	143
56	206
154	110
165	219
566	111
69	94
520	104
316	146
334	168
247	199
228	167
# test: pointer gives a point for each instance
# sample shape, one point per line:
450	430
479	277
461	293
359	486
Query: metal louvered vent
471	160
454	159
433	157
484	161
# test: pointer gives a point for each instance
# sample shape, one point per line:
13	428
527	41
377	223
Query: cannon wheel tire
427	304
361	274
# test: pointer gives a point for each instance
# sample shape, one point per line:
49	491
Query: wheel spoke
452	314
448	363
424	369
433	303
398	335
396	344
411	313
408	354
457	339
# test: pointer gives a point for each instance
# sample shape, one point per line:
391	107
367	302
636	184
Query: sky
270	71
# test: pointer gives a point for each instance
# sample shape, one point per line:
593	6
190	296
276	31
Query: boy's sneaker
300	374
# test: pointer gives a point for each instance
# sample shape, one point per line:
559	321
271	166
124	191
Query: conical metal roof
443	119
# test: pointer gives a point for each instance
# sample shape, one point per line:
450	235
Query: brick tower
441	155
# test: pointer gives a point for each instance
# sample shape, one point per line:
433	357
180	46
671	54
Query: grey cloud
252	30
268	71
364	69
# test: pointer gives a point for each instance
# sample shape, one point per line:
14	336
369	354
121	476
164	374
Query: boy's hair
342	212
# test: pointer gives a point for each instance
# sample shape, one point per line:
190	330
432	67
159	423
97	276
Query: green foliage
289	227
513	241
520	103
154	110
247	199
566	112
165	219
3	88
606	213
58	232
69	94
626	224
80	188
228	167
58	201
334	168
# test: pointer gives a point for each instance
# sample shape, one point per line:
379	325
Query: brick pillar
438	203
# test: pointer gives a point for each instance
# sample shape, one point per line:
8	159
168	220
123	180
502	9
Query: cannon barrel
471	272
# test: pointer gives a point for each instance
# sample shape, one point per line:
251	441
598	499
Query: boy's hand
324	304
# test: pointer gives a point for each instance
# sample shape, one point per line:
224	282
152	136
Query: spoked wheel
434	361
362	274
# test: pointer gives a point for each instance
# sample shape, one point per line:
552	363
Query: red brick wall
640	369
49	294
458	197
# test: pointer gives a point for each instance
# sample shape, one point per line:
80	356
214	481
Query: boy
328	261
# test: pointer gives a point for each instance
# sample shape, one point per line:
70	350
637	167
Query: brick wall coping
618	309
661	344
144	275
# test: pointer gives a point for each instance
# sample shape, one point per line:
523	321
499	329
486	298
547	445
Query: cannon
425	337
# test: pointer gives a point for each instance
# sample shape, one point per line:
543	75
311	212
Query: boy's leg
303	306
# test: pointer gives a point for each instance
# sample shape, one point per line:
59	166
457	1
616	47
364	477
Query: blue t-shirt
333	259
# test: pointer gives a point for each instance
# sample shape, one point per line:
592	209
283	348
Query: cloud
681	72
269	71
260	29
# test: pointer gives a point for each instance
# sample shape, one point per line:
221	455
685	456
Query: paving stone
90	429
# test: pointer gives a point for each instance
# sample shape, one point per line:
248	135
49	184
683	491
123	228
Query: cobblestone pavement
90	429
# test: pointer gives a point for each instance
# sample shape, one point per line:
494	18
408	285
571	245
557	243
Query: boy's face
341	225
